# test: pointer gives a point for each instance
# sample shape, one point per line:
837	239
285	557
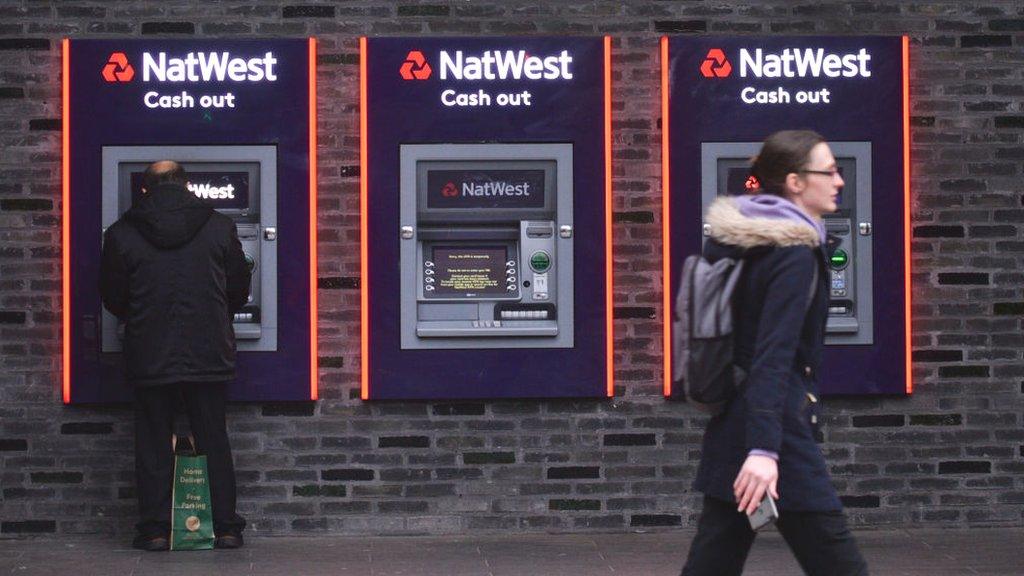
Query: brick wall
952	455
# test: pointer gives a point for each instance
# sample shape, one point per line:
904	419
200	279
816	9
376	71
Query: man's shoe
228	541
151	543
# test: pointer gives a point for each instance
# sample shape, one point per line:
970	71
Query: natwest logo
715	64
797	63
118	69
503	65
449	190
207	190
415	67
208	66
495	188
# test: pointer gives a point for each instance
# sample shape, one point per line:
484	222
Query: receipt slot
238	181
486	246
725	167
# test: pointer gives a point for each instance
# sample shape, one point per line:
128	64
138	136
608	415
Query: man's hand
759	473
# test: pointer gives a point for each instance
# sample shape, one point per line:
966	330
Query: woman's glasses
832	173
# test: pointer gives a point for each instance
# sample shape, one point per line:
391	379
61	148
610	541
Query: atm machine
725	167
240	182
486	246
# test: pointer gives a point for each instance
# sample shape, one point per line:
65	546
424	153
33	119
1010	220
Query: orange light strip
313	328
666	266
609	262
65	195
364	295
906	213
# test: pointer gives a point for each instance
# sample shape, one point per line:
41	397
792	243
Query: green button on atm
540	262
839	259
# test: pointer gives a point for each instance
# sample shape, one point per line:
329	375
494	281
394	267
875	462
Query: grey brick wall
952	455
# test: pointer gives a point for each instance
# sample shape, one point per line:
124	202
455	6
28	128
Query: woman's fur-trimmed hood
729	226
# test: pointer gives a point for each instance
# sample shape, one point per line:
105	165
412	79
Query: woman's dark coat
173	270
779	331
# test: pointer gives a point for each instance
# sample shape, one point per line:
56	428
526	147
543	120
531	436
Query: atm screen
485	188
737	180
227	188
469	271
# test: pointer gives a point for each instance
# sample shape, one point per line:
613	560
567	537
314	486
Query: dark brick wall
952	455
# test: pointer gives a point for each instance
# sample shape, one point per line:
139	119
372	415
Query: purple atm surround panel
403	94
705	82
106	92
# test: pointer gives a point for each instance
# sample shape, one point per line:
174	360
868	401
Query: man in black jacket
174	272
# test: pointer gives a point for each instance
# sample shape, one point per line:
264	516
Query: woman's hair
783	152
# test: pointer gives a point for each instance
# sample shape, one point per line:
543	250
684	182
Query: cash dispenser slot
484	328
474	233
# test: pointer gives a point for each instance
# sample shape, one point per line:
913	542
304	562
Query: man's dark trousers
205	403
821	542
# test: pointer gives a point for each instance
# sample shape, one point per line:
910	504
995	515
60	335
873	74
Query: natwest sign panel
204	76
807	71
498	74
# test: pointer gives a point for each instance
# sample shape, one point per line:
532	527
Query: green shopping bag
191	511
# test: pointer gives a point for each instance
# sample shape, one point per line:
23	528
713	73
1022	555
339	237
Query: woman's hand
759	473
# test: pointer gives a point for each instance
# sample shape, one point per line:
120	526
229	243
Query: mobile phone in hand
765	514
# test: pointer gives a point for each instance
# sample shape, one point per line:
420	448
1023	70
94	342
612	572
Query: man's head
163	172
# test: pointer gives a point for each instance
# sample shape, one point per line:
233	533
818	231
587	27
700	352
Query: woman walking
764	440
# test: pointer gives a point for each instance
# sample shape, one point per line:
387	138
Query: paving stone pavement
985	551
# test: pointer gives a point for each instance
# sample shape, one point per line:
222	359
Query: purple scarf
778	208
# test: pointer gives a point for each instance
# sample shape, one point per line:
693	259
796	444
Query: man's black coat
779	335
173	270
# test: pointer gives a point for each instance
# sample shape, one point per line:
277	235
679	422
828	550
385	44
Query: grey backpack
702	340
702	332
